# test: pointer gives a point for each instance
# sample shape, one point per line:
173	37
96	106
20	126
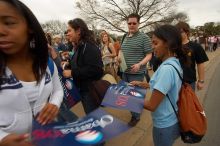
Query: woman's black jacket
86	65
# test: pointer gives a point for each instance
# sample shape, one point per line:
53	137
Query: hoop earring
32	44
169	52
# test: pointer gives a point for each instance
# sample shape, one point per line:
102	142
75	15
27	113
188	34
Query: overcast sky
199	11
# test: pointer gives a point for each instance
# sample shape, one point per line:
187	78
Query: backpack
97	90
191	115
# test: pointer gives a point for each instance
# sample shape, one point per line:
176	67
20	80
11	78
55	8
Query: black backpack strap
176	71
172	106
109	50
122	40
168	95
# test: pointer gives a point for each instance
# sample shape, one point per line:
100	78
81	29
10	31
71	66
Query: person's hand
116	62
119	59
67	73
47	114
64	64
200	85
104	56
66	54
140	84
135	68
16	140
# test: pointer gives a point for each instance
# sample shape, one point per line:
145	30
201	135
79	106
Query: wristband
201	81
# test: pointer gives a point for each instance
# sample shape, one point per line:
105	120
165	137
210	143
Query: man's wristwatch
201	81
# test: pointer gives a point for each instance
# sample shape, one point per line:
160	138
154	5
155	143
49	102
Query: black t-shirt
197	55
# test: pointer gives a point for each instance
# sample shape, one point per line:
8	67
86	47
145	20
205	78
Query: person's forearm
111	55
146	59
56	97
201	71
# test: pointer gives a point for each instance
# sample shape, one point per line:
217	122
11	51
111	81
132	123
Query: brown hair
134	15
85	33
183	26
102	35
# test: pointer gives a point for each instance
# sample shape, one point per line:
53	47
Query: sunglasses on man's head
133	23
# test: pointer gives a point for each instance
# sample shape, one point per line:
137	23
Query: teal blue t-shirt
167	81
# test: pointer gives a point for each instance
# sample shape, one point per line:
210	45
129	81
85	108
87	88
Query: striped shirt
135	49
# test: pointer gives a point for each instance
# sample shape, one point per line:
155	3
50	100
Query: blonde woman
108	55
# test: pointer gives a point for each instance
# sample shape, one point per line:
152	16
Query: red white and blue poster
124	96
95	128
71	93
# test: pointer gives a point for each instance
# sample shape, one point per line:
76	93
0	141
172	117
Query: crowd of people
209	43
26	78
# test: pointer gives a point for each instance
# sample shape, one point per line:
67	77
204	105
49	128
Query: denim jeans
133	77
166	136
65	115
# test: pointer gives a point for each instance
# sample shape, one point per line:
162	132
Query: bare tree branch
112	14
113	3
54	27
106	20
146	11
152	14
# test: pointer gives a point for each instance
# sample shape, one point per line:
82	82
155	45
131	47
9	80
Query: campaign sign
95	128
124	96
71	93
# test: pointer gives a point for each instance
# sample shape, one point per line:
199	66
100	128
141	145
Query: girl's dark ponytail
182	55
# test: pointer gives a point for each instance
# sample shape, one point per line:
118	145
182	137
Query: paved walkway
140	135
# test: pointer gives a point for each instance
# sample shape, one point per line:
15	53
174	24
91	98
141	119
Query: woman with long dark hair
28	89
86	63
167	45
